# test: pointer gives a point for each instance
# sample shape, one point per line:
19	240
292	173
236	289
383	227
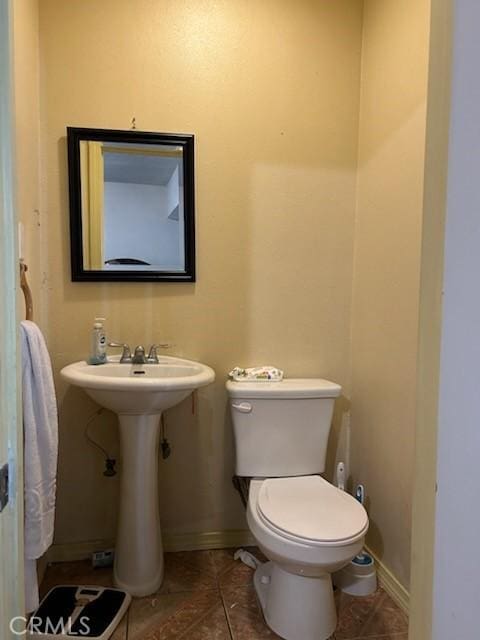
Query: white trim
430	321
73	551
390	584
456	565
11	435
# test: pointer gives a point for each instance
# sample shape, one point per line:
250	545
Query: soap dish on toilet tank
359	577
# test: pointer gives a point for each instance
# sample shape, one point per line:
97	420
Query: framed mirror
132	212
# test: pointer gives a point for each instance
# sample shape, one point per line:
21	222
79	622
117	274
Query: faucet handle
126	353
152	357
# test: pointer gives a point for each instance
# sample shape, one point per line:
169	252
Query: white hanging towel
40	425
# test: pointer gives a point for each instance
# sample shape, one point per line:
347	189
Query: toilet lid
311	508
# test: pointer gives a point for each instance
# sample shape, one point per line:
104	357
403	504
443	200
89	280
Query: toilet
306	527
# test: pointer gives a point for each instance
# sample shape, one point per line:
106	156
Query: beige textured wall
270	89
27	138
387	268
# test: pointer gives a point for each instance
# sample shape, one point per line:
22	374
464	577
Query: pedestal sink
139	394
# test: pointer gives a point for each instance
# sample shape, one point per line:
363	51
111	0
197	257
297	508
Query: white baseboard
390	584
70	552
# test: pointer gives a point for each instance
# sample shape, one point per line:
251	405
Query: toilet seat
309	510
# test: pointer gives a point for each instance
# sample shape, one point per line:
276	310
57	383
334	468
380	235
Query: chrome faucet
126	357
152	357
139	353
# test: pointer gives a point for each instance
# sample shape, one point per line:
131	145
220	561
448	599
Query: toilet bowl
308	529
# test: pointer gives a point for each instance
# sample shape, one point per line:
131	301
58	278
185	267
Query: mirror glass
131	205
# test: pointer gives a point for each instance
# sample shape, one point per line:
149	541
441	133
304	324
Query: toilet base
296	607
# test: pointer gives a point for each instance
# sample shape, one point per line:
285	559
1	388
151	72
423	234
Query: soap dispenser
98	351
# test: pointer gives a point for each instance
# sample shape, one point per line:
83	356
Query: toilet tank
281	428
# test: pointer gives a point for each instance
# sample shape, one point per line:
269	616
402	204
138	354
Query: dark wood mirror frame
79	274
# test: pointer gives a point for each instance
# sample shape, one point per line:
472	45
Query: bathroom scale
79	612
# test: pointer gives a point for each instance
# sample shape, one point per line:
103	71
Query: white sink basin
139	389
139	394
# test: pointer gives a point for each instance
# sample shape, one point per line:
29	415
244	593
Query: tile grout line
381	636
376	606
194	624
219	587
127	622
227	618
185	591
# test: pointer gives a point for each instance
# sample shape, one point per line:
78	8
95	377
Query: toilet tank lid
287	388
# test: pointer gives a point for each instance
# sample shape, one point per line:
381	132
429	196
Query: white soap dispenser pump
98	351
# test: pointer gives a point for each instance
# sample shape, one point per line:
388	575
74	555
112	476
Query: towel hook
26	291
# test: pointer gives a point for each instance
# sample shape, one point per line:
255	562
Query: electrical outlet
103	558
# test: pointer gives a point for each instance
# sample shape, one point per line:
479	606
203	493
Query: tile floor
207	595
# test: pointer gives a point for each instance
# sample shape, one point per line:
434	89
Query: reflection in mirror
131	210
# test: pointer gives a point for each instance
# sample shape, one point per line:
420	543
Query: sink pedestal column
139	555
